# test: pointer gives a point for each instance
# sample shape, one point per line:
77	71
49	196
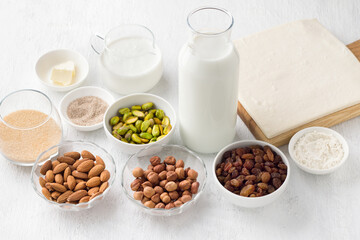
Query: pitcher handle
94	40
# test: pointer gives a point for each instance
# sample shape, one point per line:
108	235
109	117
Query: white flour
318	150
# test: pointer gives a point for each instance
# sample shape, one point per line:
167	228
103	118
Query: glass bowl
39	127
141	159
69	146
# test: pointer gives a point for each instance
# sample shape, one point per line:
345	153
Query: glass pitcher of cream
129	61
208	81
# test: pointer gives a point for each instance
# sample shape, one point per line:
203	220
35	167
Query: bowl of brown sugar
84	107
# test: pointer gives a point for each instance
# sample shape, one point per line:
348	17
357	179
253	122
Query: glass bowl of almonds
76	175
164	180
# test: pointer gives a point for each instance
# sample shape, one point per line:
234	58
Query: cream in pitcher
208	81
131	61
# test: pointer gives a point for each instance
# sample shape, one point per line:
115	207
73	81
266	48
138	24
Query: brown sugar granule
87	111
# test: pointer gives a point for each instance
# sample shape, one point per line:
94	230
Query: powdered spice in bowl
87	111
84	108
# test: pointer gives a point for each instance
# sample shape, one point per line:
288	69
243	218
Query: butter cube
63	73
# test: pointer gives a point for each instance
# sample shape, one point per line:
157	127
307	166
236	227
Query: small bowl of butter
318	150
62	69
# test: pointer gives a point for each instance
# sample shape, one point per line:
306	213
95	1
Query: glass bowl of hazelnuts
164	180
251	173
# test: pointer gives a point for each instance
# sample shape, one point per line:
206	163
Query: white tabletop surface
313	207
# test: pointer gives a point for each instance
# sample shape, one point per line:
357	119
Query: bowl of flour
318	150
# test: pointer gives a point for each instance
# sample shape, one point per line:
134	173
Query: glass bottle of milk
208	81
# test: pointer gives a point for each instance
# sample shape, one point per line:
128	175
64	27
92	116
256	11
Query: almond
63	197
45	167
71	182
77	195
80	175
55	195
67	160
103	186
60	167
84	199
73	155
85	166
99	161
58	187
93	190
93	182
95	195
46	193
49	187
67	172
79	180
105	176
80	186
49	177
87	154
55	163
66	185
96	170
77	162
42	182
59	178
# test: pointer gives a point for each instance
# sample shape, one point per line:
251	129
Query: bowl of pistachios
137	120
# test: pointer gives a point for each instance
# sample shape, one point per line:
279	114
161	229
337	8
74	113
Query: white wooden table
313	207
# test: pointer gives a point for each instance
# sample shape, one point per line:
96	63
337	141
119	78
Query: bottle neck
210	45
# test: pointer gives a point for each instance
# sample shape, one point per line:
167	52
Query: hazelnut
138	195
155	198
147	172
146	184
149	192
153	177
180	173
163	183
171	176
150	167
162	175
195	187
170	160
174	195
155	160
169	206
159	168
170	168
186	193
184	185
179	164
185	198
178	203
159	189
171	186
149	204
135	184
165	197
192	174
160	205
144	200
186	171
138	172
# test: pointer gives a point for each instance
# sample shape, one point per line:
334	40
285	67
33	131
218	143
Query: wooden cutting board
326	121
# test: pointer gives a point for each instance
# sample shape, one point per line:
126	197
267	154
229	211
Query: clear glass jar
29	125
208	81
